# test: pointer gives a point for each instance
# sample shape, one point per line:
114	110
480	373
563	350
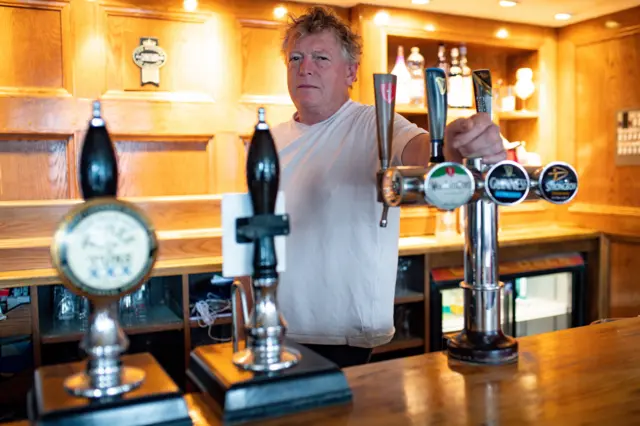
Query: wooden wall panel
187	68
264	72
624	298
30	58
598	75
163	168
42	162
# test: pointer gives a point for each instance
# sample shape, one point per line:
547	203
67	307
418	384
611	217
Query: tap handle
436	85
263	168
482	89
385	97
98	163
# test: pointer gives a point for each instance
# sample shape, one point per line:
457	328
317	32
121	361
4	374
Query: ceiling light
612	24
508	3
381	18
502	33
279	12
563	16
430	27
190	5
420	1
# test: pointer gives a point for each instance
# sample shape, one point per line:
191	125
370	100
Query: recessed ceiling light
430	27
502	33
612	24
381	18
279	12
190	5
508	3
420	1
563	16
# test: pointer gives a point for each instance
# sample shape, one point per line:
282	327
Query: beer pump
479	189
441	184
505	183
103	249
270	376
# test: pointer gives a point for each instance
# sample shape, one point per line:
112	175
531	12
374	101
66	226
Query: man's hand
476	136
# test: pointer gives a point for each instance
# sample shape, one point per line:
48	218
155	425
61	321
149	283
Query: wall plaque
628	138
150	57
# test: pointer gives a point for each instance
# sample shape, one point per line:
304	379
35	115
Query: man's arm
476	136
417	151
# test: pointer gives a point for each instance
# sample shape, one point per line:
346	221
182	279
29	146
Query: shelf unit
525	46
503	62
170	311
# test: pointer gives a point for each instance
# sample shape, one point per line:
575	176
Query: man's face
318	74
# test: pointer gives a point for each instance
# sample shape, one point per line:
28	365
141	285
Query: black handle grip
263	168
436	83
98	162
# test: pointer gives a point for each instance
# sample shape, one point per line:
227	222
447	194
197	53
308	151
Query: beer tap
265	327
505	183
104	249
271	375
441	184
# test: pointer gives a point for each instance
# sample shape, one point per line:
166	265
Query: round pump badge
558	183
448	186
104	248
507	183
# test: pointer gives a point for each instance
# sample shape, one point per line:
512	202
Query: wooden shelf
398	344
159	318
517	115
453	113
407	296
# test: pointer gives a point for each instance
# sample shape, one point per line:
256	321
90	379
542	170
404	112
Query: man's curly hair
318	19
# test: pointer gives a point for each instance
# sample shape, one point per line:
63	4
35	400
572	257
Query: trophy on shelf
524	86
104	249
265	375
505	183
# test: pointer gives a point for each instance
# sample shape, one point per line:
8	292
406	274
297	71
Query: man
338	288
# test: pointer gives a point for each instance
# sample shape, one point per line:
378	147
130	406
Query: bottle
415	64
442	59
467	82
454	81
403	85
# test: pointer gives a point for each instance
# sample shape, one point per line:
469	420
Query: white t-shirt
339	283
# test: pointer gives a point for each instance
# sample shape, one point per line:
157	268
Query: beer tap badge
448	186
507	183
558	183
104	248
388	91
150	58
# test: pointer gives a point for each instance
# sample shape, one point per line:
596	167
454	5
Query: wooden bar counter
581	376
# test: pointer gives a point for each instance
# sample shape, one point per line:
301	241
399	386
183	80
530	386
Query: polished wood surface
598	74
529	236
581	376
